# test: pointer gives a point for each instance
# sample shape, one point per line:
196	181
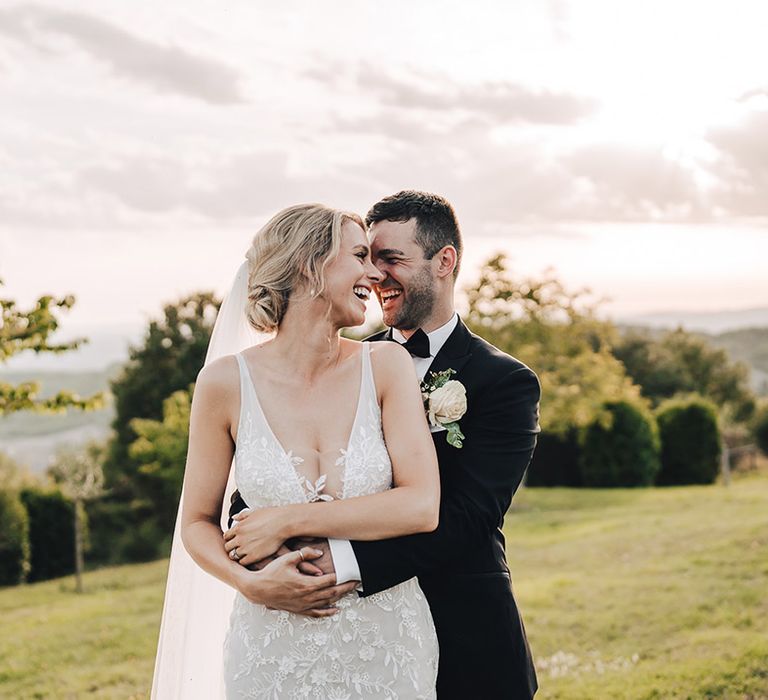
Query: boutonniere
445	402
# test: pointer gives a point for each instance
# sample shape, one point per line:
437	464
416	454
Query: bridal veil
190	649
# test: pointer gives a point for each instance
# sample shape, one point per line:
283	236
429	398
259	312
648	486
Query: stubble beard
417	305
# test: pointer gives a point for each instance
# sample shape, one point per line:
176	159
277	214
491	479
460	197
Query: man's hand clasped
296	576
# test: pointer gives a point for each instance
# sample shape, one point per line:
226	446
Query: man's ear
447	258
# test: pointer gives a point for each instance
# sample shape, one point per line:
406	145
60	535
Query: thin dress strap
246	385
369	383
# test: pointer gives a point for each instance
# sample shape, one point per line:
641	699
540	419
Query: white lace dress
382	646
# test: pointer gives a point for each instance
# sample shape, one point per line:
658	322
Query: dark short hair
436	224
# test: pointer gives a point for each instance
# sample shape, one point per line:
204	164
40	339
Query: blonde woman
329	439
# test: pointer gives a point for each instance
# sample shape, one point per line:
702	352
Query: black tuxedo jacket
462	566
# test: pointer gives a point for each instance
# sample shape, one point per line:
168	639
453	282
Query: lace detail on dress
265	474
350	656
368	468
382	646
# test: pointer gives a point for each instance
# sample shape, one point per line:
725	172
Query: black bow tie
417	344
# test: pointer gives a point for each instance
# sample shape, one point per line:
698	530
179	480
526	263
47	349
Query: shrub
14	540
760	428
690	441
51	533
555	461
620	447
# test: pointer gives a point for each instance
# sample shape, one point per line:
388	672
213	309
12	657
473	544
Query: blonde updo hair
298	241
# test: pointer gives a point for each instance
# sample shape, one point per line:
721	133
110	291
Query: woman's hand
280	586
257	534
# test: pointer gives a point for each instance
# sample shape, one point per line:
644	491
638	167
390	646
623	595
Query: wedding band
301	554
234	555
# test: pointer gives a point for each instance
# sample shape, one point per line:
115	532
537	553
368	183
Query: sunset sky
624	144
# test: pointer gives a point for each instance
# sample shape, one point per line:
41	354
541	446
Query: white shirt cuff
344	561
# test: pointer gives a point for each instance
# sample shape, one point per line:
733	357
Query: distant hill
711	322
749	345
105	346
33	438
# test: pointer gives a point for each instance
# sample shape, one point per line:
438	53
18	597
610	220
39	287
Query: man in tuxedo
461	566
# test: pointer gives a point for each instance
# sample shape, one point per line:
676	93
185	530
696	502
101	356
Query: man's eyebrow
389	251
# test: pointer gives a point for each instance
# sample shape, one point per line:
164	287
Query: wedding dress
382	646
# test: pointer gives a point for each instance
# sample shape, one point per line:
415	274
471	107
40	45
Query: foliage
32	330
690	441
621	447
161	451
172	353
78	471
748	345
14	539
145	480
14	476
556	460
557	332
51	533
682	363
81	478
760	427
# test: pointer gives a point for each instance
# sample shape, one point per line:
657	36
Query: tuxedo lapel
454	353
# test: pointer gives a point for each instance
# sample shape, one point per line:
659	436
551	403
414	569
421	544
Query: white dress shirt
342	554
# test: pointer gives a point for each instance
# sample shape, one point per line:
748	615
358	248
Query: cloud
497	102
624	183
242	187
496	184
742	165
167	69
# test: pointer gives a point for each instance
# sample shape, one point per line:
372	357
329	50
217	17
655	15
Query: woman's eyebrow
360	246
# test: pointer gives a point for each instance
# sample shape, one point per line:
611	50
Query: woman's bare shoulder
391	365
221	375
390	355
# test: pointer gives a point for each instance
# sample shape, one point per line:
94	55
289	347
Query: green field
625	593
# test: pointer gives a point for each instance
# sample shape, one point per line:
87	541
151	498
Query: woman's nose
374	274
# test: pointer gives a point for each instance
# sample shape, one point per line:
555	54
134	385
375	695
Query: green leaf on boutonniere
455	436
436	380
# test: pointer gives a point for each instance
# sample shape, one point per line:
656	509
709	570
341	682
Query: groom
461	566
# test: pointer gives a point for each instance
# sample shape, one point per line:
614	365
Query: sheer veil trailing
189	661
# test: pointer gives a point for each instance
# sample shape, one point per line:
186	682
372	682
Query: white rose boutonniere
445	402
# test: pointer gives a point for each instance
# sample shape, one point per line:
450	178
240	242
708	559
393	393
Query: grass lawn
654	593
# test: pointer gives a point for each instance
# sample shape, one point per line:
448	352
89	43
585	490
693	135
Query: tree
679	362
557	332
131	524
690	441
14	476
169	359
32	330
621	447
760	428
80	476
14	539
161	451
51	523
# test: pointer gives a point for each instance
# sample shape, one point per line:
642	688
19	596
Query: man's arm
494	458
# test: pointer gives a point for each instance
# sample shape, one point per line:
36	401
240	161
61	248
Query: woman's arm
209	458
413	504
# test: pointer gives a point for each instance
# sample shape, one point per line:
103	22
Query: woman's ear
447	258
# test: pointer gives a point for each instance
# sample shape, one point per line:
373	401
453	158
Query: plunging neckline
288	455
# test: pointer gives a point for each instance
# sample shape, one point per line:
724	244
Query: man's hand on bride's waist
281	586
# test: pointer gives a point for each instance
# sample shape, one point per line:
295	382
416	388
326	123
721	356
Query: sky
623	144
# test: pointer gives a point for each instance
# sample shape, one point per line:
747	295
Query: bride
329	439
